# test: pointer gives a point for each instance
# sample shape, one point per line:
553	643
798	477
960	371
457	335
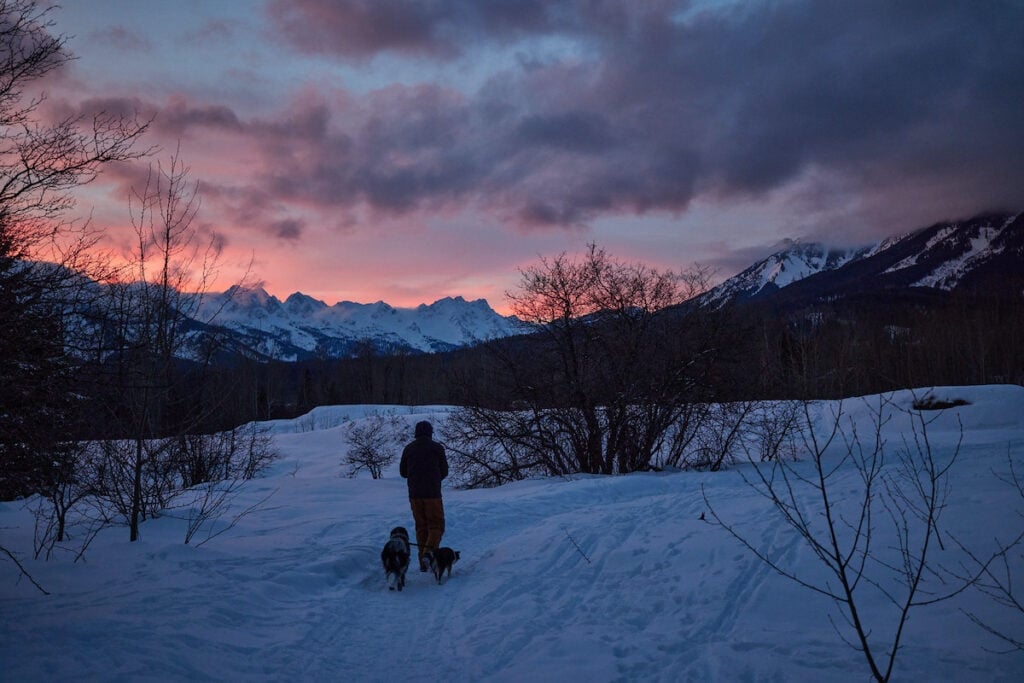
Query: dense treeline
910	339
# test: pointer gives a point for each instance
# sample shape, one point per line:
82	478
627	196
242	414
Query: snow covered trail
594	578
525	602
300	595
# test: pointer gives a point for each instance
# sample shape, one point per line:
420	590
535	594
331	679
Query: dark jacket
424	465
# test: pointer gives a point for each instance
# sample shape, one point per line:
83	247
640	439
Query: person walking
423	465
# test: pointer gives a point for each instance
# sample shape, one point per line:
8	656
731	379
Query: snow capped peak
248	294
952	250
304	326
795	261
302	304
240	301
943	256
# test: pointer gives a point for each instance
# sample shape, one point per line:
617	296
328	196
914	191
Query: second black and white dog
395	558
441	560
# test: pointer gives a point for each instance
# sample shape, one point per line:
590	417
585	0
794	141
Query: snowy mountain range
975	253
980	252
302	327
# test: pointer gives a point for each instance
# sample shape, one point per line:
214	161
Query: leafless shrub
209	506
719	437
482	455
236	454
681	435
492	447
373	443
136	478
907	486
68	485
598	383
771	430
145	477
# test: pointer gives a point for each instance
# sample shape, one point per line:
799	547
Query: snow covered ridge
584	578
943	256
302	326
957	249
798	260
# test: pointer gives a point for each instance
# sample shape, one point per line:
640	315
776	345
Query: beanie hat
424	429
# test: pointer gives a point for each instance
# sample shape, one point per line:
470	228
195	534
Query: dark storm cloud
874	98
119	107
174	117
288	228
439	28
572	131
397	151
254	209
862	88
177	115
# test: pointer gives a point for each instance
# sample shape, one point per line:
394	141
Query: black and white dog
441	560
395	558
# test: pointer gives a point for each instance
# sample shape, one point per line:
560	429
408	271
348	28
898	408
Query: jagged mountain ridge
975	253
304	327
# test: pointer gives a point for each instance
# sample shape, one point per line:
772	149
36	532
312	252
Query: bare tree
212	469
240	454
136	478
609	368
144	337
70	483
720	436
40	165
682	435
493	447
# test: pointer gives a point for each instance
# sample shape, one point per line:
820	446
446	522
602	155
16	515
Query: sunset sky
405	151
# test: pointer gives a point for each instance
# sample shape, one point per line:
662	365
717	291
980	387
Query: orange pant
428	513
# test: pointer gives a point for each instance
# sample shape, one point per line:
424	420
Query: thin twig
25	571
578	548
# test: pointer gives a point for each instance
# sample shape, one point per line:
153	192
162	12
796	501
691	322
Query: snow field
593	578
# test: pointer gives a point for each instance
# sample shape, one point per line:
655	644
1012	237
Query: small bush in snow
373	443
